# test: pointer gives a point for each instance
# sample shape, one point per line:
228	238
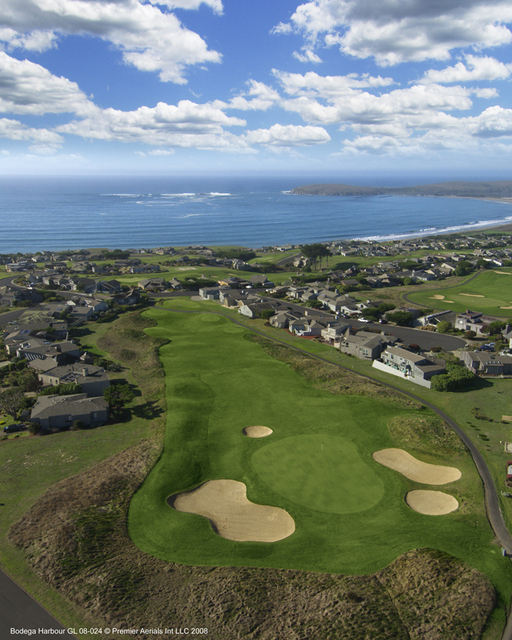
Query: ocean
39	214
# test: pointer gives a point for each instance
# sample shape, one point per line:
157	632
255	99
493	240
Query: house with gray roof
364	345
92	380
410	366
59	412
484	363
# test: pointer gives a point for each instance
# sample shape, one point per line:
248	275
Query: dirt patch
257	432
233	516
431	503
415	470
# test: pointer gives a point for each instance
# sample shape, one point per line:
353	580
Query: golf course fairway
349	511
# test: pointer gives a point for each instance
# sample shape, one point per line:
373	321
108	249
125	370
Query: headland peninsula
495	189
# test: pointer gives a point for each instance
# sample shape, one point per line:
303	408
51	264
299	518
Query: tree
401	318
12	402
463	268
496	327
444	326
118	396
267	313
470	334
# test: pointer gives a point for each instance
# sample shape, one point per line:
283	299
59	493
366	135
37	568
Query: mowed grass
321	472
490	292
218	383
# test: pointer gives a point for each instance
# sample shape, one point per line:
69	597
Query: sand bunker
417	471
472	295
437	297
257	432
225	504
505	307
504	273
431	503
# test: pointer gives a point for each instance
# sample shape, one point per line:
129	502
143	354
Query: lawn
349	511
489	292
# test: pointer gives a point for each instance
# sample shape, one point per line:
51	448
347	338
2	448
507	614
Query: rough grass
426	434
329	377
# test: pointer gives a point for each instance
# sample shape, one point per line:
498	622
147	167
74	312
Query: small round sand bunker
431	503
232	515
412	468
437	297
257	432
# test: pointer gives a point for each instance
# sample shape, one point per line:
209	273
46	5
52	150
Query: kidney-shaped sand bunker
414	469
232	515
431	503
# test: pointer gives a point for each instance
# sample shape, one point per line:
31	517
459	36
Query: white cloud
394	32
42	138
476	68
28	88
356	107
494	122
186	125
288	136
327	86
262	97
150	39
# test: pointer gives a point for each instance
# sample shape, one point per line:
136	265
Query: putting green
321	472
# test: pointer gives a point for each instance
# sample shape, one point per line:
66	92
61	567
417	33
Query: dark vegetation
498	189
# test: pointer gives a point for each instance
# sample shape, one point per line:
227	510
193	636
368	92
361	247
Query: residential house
364	345
484	363
93	380
411	366
59	412
474	321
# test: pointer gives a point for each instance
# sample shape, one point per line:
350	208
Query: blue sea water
69	213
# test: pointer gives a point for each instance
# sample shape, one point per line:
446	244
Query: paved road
424	339
19	611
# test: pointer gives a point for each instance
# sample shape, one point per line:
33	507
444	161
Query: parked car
14	428
509	473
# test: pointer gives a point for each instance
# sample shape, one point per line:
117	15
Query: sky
327	87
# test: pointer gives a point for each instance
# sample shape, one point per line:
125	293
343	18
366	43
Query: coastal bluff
497	189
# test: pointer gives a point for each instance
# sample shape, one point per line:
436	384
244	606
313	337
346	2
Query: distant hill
498	189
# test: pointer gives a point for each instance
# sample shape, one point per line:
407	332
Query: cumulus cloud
42	138
394	32
261	97
186	124
327	86
288	136
149	38
475	69
28	88
356	107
